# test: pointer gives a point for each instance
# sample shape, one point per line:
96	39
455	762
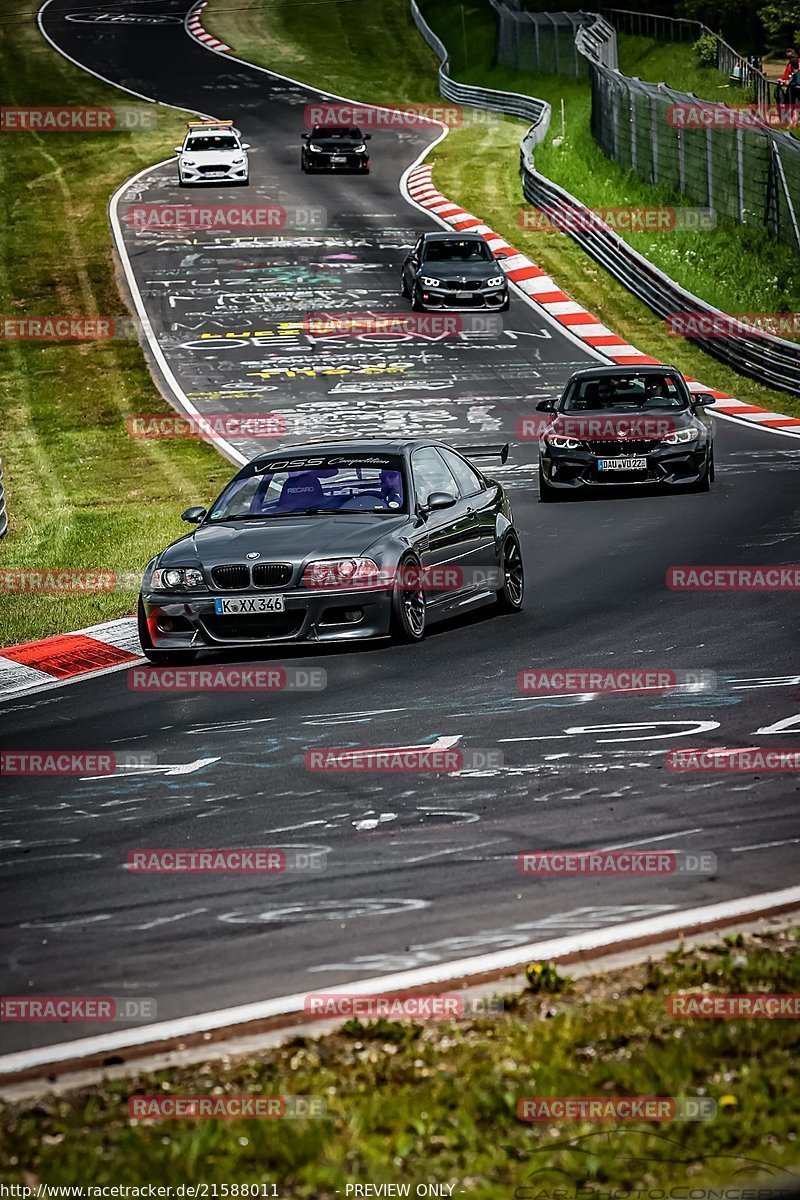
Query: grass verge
373	52
81	493
409	1103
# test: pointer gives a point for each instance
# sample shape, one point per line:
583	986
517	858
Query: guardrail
770	360
3	510
512	104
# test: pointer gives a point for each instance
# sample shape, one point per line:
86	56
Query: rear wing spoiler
499	451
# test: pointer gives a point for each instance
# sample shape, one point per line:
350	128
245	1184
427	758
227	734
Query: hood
212	156
612	424
283	539
461	270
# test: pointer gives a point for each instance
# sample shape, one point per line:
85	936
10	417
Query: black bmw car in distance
336	541
454	270
335	148
626	426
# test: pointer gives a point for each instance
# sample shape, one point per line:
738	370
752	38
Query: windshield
211	143
336	132
458	251
322	484
627	391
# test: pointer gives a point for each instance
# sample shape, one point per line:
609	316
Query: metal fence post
3	510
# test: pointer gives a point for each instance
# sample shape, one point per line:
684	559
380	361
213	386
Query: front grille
471	285
213	168
259	627
231	578
269	575
605	449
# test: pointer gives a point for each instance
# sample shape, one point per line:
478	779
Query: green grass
437	1102
674	63
81	493
354	49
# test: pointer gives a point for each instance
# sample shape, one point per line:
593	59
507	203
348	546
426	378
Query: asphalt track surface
421	869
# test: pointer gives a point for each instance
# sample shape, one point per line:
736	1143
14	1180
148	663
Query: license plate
338	158
463	295
622	464
245	605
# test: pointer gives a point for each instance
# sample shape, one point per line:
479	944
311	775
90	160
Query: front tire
547	494
416	301
408	603
511	594
164	658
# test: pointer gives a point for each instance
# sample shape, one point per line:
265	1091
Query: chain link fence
728	160
543	42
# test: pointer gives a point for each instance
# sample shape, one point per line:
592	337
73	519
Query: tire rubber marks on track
543	290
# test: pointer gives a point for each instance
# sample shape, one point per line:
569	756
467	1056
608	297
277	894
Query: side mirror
703	399
439	500
500	254
178	149
304	137
367	137
245	145
193	515
545	406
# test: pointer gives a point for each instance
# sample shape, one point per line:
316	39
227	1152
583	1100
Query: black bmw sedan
625	426
336	541
335	148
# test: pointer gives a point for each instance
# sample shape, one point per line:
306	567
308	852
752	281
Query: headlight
187	162
679	437
315	149
175	578
498	279
428	281
361	149
237	162
341	573
562	443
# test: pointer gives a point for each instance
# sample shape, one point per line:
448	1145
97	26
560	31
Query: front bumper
454	297
325	162
190	622
667	466
224	175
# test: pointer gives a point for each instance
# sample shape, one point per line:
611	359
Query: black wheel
547	494
165	658
504	307
510	595
408	603
703	484
404	287
181	183
416	301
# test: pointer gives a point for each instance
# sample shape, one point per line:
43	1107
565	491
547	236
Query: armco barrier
3	511
772	361
512	104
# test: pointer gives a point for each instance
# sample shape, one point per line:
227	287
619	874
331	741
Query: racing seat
301	491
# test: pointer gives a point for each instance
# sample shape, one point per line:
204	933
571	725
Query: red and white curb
540	288
39	666
195	27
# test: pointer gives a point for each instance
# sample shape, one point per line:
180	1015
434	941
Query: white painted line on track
483	965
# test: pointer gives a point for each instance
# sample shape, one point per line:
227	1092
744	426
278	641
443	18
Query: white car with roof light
212	152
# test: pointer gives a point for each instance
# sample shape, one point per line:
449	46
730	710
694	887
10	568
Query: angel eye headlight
679	437
496	281
429	281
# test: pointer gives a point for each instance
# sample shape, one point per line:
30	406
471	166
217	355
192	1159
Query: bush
705	50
